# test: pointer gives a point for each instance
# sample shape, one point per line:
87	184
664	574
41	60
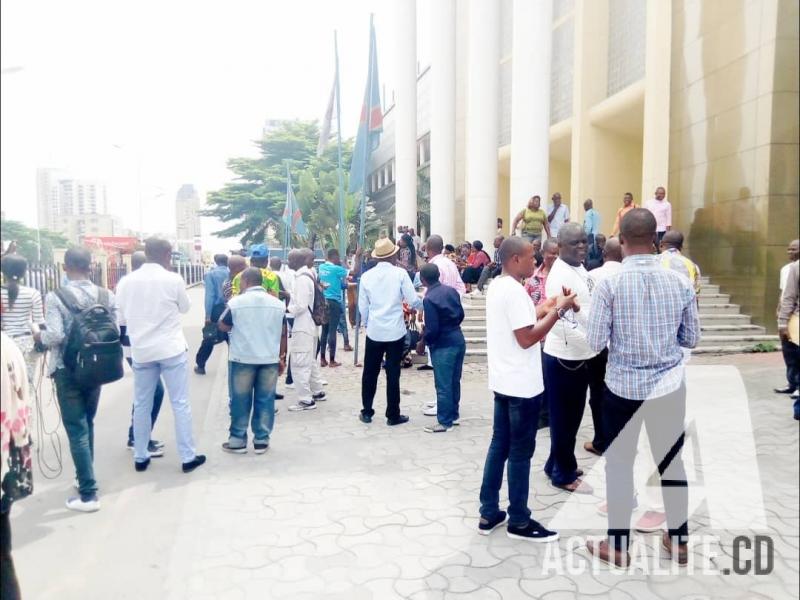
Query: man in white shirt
514	328
789	349
662	211
380	303
303	346
612	261
150	301
570	366
557	215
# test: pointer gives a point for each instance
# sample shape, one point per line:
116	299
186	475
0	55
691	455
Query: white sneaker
303	406
323	382
430	411
289	386
75	503
431	403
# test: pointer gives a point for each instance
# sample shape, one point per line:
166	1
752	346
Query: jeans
158	398
9	586
486	274
328	336
373	355
664	420
78	407
252	392
513	440
207	345
342	327
175	371
791	356
447	363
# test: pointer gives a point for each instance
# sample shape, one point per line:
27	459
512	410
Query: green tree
253	203
27	240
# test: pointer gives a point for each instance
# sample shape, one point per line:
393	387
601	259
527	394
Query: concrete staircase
724	330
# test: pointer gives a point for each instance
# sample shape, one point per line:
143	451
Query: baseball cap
259	251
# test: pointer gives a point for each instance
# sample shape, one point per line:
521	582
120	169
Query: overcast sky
180	86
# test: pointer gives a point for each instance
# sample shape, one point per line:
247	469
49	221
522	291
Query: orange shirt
621	213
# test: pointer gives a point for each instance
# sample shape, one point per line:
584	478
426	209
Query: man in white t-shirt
514	328
789	349
557	215
570	366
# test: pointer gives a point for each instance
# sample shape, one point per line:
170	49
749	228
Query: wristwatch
561	312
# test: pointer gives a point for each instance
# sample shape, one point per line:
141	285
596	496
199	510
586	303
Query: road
339	509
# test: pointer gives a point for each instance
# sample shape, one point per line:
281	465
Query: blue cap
259	251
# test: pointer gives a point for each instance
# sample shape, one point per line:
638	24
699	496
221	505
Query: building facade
187	218
595	98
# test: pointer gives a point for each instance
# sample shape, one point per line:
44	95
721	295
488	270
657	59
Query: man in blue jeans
255	320
150	302
443	336
514	328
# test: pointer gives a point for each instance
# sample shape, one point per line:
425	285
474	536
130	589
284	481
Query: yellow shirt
270	282
621	213
534	221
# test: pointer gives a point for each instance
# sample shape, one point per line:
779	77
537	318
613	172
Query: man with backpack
85	353
150	302
308	308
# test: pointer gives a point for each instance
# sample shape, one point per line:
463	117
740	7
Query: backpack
319	313
92	351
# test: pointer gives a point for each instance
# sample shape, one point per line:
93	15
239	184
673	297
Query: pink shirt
662	211
448	273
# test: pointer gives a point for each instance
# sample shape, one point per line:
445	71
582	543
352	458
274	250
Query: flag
325	130
371	123
291	214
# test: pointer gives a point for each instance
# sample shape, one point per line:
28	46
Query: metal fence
47	277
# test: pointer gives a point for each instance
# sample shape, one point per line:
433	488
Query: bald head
512	246
236	264
435	244
516	255
295	259
308	257
672	239
613	250
251	277
138	258
638	229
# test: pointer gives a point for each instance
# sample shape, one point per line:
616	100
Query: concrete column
530	103
443	118
483	89
405	144
655	130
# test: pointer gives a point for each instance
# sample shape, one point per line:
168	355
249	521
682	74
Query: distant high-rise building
59	194
187	218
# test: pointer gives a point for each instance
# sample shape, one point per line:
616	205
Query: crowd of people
569	313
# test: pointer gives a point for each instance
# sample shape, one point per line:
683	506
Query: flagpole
288	226
342	228
366	170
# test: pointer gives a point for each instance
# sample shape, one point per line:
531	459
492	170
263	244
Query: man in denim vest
255	320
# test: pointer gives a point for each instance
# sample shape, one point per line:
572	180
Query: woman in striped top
21	309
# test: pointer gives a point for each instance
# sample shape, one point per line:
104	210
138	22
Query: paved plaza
339	509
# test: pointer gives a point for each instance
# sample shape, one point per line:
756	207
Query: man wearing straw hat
380	302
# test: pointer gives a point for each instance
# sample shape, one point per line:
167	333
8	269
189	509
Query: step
727	349
708	289
714	298
718	308
731	329
736	340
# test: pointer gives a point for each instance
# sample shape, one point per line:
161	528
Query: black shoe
190	466
398	421
487	526
425	368
232	449
532	532
279	396
786	390
200	370
321	397
141	466
260	447
364	418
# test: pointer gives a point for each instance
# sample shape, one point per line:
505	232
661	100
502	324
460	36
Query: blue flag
291	214
371	123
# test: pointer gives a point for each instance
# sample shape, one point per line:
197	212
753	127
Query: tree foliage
27	240
253	203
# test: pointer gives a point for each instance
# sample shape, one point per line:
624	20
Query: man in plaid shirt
645	314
